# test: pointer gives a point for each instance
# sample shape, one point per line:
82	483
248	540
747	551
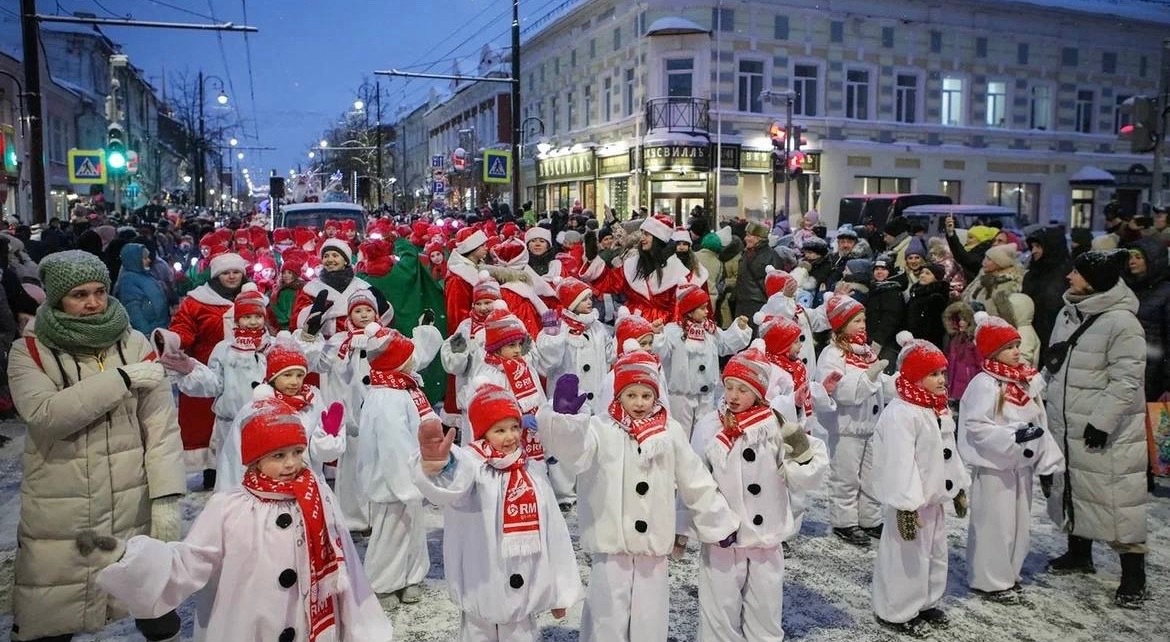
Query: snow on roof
673	26
1142	10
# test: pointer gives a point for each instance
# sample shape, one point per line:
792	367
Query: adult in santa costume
522	289
541	257
647	278
203	319
321	306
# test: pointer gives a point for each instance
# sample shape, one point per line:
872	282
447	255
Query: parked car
966	217
855	209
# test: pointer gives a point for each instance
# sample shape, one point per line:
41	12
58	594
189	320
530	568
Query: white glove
165	519
875	370
145	375
359	341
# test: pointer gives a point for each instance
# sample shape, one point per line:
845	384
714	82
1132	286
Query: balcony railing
686	115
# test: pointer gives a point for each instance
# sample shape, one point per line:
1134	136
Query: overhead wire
251	75
227	70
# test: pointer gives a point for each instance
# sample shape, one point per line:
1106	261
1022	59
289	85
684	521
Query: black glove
316	316
1029	433
1094	438
590	245
427	318
729	540
458	343
1046	485
908	524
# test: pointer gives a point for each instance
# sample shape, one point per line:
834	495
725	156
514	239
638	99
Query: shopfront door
677	206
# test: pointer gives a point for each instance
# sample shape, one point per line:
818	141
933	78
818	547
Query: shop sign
729	155
613	165
666	158
812	163
569	167
755	161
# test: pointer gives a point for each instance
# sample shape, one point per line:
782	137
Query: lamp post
201	160
364	92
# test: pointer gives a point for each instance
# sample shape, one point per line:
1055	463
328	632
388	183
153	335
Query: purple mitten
567	399
332	418
549	319
729	540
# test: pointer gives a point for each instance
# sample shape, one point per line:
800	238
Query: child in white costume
782	288
916	472
344	378
463	349
506	549
690	353
632	333
757	464
579	344
285	381
274	554
1003	436
395	406
629	461
851	373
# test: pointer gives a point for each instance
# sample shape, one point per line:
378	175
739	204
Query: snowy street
826	585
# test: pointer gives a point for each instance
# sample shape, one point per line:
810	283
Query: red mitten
332	418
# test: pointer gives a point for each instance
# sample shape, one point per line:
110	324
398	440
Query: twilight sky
308	58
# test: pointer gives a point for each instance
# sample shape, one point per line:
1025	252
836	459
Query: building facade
996	102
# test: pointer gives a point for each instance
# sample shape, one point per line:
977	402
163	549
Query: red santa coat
521	291
202	321
653	298
462	275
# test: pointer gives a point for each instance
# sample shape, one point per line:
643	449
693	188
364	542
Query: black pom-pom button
516	581
641	526
284	520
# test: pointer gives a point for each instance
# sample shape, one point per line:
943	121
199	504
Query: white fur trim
681	236
657	229
338	245
904	338
229	261
470	243
538	233
262	392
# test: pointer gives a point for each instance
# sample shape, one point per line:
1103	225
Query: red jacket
200	323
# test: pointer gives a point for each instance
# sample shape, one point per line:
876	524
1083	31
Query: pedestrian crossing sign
87	167
497	166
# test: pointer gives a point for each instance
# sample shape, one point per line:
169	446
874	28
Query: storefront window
1082	208
1022	197
954	189
882	185
619	195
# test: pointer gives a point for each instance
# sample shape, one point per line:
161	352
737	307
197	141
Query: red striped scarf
401	381
519	509
1015	379
917	395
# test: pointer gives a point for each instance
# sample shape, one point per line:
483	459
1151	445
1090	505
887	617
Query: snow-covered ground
826	587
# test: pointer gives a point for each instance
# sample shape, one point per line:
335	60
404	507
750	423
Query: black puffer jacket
924	311
1046	279
885	315
749	288
1153	294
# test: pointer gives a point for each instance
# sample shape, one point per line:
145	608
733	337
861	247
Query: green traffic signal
115	159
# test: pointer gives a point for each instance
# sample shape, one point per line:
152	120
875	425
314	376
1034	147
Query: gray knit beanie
63	271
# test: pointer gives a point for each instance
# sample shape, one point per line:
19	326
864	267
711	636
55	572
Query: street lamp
233	142
324	144
201	161
240	155
358	105
312	153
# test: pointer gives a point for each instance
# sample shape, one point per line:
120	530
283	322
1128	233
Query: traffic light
8	149
1142	130
787	159
115	150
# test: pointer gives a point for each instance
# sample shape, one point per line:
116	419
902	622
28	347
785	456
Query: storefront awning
674	26
1090	176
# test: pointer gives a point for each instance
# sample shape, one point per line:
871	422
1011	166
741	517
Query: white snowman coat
480	580
538	364
242	548
757	480
692	367
587	355
987	438
389	430
461	364
627	506
323	447
859	400
915	462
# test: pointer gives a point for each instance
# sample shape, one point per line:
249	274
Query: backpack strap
34	351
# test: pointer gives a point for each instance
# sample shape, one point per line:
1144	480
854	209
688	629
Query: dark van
858	208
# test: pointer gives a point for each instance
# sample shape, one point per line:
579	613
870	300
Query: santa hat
274	425
489	406
512	253
630	369
227	261
305	237
242	236
485	288
775	280
391	352
376	258
282	236
918	358
468	239
339	246
330	224
681	235
751	367
248	301
840	309
538	233
630	326
779	333
571	292
293	260
510	230
382	228
364	296
992	334
501	328
688	297
284	356
213	243
660	227
348	225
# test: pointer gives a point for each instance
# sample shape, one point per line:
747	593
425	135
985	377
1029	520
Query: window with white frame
1121	119
1084	113
607	100
629	92
997	103
570	115
805	83
952	100
1022	197
588	105
1040	107
906	98
857	94
749	82
680	77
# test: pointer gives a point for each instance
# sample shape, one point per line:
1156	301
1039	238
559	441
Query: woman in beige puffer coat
103	451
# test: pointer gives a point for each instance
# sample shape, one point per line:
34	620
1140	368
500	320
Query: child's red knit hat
689	297
490	405
779	333
840	309
501	328
283	357
992	334
751	367
273	426
635	367
248	301
918	358
630	326
776	280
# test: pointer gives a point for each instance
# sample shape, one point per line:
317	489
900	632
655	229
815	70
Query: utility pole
378	124
516	108
1163	107
31	36
201	159
789	98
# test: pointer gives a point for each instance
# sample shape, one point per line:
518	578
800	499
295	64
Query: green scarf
74	335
